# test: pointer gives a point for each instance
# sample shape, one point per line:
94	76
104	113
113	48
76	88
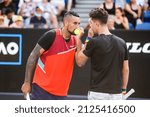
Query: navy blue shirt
38	23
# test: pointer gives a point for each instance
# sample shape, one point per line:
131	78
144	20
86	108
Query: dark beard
72	33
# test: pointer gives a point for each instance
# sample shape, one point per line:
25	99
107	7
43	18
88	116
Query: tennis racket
128	94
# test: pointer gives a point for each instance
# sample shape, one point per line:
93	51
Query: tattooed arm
30	68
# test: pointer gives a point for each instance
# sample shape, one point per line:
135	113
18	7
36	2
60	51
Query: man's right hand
26	88
90	33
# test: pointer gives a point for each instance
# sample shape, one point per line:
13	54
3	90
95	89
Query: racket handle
27	96
128	94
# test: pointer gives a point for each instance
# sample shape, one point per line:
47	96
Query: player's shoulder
118	39
51	31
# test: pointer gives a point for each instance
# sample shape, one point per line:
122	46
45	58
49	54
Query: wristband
88	39
124	91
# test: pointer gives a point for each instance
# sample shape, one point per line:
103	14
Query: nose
78	25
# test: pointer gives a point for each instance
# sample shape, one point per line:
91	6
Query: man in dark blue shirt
38	21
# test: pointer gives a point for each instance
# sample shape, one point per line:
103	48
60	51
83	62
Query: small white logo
71	46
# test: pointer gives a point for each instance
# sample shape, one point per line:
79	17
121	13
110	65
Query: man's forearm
125	76
79	47
81	59
30	68
31	64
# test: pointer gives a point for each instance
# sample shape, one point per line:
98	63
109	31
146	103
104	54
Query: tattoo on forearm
31	63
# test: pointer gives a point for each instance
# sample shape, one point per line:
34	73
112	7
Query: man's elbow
81	59
80	64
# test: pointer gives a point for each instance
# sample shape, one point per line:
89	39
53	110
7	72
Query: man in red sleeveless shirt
50	65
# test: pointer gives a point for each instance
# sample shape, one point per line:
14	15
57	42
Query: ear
66	23
97	23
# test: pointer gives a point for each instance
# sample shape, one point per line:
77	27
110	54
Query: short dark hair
8	10
99	14
121	10
71	13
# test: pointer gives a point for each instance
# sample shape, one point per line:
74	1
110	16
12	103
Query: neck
104	30
108	2
39	18
6	3
66	35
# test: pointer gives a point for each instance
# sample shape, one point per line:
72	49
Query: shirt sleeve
47	39
126	57
89	48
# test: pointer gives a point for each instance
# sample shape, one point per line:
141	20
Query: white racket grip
28	96
128	94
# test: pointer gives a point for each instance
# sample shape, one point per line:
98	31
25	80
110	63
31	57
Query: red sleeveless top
54	69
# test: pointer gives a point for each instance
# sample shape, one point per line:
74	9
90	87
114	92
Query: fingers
90	33
87	26
124	91
26	88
